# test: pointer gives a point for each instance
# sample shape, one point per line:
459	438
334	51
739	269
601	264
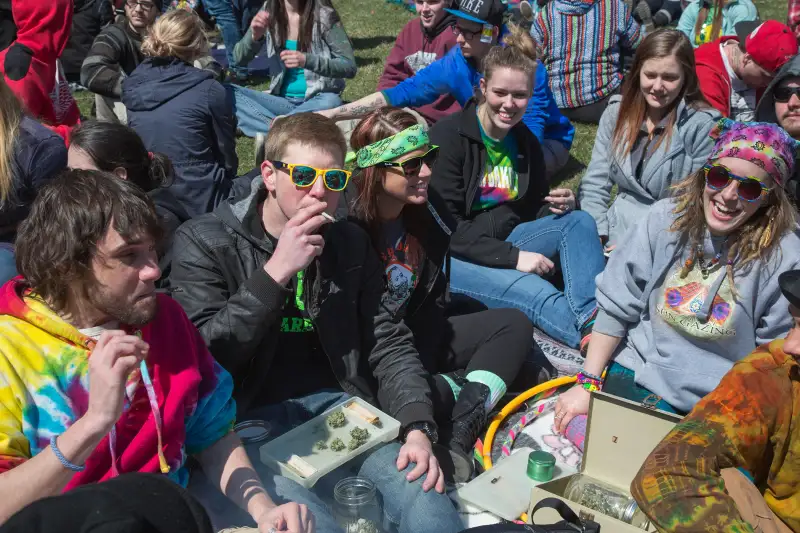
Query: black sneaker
469	420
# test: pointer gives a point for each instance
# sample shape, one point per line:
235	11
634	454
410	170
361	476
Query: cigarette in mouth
330	218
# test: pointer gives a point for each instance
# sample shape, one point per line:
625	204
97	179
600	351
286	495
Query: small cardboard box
620	434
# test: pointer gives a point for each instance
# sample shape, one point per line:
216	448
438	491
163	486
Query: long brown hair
10	118
279	22
659	44
376	126
757	239
716	23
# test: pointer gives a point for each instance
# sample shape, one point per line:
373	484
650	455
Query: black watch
425	427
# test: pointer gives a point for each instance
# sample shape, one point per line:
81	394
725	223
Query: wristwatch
425	427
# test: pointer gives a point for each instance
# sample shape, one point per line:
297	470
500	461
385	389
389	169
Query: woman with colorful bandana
476	355
695	286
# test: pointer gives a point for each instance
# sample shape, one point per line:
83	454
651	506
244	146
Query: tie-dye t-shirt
44	389
500	180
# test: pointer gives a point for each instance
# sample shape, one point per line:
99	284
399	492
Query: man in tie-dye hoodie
693	480
99	375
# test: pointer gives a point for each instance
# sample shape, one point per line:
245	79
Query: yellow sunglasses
335	179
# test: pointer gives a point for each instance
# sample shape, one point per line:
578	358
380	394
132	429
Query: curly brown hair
757	239
70	216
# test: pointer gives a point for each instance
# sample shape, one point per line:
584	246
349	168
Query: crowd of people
401	248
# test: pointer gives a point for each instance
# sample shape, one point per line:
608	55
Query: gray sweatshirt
687	151
681	335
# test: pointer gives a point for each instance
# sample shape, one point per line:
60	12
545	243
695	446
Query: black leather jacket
217	267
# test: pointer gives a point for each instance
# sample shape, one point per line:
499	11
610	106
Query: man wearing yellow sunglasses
290	303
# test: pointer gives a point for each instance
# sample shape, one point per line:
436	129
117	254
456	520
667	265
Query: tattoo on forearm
358	110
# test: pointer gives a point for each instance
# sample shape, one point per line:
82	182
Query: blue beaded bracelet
63	460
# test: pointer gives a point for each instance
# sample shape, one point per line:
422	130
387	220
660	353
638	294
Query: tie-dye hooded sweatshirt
749	421
44	388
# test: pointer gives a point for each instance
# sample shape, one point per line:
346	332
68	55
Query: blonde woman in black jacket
510	230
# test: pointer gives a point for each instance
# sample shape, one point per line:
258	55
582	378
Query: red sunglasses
718	177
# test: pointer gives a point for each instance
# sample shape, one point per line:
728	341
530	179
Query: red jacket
414	50
29	64
715	84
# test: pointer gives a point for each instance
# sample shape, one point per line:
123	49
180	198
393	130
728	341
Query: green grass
373	26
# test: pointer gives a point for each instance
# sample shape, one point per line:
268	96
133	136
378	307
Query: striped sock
497	387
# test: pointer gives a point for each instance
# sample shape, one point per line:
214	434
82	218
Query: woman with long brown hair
473	358
704	21
309	56
660	137
695	288
30	156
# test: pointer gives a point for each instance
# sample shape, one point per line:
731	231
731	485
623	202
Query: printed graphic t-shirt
300	366
500	179
401	267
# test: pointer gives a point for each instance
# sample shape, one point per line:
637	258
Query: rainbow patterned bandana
400	143
761	143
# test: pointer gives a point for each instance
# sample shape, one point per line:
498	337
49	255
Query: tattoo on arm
360	108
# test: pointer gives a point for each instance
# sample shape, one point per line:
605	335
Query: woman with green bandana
473	358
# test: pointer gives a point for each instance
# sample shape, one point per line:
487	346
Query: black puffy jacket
218	277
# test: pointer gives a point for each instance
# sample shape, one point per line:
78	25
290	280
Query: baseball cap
771	44
480	11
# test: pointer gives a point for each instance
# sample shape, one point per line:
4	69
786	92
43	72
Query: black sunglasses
413	165
784	94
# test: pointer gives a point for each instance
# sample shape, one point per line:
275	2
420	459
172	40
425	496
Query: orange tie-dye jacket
750	421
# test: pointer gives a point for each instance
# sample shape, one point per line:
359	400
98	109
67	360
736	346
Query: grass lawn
373	25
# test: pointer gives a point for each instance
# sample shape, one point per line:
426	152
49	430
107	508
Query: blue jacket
455	74
38	156
182	112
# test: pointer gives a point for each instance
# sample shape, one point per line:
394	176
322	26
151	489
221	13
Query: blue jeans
229	24
620	381
407	508
8	265
573	239
255	110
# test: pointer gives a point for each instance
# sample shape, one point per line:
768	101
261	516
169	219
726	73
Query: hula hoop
512	406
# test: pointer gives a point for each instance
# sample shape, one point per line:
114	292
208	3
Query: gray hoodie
765	112
681	335
687	152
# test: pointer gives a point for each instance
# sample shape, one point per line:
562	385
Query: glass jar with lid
606	499
357	508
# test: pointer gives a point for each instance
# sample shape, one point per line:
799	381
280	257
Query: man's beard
137	313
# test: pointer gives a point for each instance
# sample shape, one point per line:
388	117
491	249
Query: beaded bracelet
63	460
589	382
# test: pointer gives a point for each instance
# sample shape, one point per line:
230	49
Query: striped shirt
580	42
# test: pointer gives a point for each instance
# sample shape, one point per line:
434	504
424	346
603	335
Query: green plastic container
541	466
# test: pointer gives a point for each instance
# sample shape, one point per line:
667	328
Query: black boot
469	421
